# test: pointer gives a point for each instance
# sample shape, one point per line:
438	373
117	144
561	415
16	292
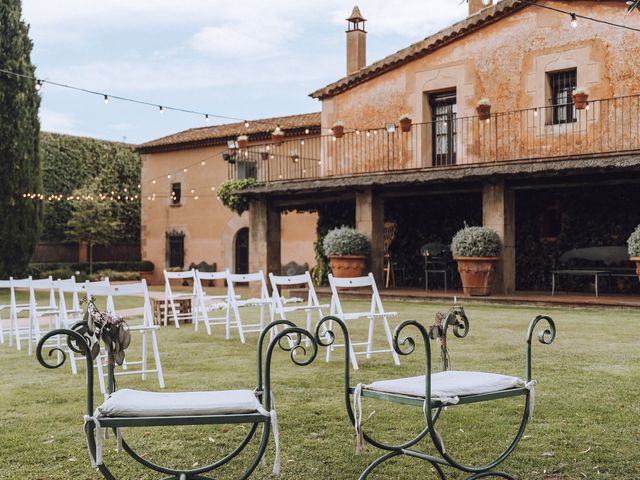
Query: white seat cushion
449	385
137	403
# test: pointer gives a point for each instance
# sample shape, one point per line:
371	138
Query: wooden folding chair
376	312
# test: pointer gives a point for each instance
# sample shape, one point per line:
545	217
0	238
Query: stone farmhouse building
184	222
546	173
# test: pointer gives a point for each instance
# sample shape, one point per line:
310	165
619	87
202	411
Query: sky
244	58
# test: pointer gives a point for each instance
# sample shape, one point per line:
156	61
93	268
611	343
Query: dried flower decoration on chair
107	328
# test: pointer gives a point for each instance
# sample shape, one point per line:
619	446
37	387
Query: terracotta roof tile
423	47
218	134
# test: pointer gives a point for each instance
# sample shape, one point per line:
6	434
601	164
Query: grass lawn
586	422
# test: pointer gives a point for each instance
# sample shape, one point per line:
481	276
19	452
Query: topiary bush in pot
477	251
633	244
347	249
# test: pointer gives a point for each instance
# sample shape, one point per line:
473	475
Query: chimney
356	42
476	5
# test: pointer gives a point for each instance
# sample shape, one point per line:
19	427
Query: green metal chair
129	408
434	392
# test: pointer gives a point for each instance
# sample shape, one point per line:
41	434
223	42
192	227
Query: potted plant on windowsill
405	123
243	141
633	244
338	129
146	270
580	98
347	250
477	251
277	135
483	108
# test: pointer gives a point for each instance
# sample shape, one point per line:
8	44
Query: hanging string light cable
39	83
573	17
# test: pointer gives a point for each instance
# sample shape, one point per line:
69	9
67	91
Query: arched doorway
241	248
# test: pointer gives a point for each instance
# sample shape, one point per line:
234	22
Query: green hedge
71	162
38	270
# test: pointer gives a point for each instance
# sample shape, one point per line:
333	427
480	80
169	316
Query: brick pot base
348	266
476	274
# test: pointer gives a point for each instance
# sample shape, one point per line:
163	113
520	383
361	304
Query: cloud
241	40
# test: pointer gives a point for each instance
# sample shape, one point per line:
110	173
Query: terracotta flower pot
243	143
580	100
484	112
476	274
405	125
338	131
277	139
148	276
637	260
348	266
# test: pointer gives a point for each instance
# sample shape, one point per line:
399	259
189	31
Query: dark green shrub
476	242
345	241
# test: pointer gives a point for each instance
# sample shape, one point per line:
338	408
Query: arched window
241	248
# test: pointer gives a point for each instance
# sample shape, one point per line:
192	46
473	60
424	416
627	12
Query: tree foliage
71	163
20	218
93	221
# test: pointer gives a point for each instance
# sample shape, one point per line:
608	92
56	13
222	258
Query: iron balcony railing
606	126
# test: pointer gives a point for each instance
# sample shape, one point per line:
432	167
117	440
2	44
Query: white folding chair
16	332
376	312
170	297
283	305
235	302
205	303
72	312
145	328
5	284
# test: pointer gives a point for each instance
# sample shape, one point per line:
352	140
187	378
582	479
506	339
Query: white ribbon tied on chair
276	431
95	462
357	408
531	386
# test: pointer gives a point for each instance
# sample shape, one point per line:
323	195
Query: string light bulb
535	112
306	131
161	109
246	124
106	99
38	85
206	118
574	20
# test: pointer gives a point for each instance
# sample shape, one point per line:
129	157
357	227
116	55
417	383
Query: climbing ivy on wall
70	163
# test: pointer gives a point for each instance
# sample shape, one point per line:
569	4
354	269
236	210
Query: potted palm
347	250
243	141
633	244
580	98
405	123
476	250
338	129
483	108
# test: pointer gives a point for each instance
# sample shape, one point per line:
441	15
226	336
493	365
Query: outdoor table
183	305
578	272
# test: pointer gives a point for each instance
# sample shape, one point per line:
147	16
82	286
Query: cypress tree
20	169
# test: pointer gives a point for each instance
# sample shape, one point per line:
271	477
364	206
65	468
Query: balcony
605	127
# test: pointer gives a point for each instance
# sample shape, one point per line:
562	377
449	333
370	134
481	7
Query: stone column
498	213
370	221
264	239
